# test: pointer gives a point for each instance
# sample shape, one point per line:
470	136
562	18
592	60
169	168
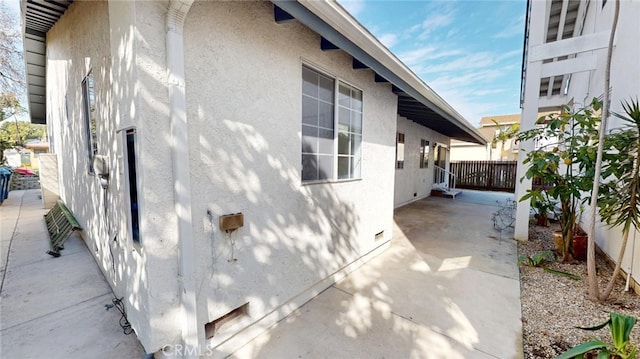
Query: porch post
537	24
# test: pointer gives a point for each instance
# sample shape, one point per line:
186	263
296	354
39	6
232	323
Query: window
349	131
89	107
400	150
133	184
319	132
424	154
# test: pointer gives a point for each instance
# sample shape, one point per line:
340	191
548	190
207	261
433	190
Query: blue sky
469	52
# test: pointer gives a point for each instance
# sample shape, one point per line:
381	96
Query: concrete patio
53	307
447	288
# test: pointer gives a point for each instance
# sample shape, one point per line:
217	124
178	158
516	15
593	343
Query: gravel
553	305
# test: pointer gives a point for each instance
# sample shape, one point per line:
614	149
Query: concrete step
452	193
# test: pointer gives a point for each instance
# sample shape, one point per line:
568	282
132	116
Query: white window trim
337	80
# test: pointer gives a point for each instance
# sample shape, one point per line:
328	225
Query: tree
594	292
11	60
25	131
505	133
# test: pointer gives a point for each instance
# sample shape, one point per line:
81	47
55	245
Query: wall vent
225	321
379	235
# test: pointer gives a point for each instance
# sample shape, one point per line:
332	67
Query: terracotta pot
579	246
541	220
557	239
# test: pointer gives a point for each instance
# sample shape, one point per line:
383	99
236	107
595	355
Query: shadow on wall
293	236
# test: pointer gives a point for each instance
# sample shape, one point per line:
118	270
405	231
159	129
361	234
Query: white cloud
515	28
354	7
421	55
388	39
435	22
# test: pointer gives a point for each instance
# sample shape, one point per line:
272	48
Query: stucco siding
243	83
122	44
413	182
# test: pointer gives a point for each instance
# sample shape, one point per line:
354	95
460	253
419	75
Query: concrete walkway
53	307
447	288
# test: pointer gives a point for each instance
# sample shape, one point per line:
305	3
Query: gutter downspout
192	335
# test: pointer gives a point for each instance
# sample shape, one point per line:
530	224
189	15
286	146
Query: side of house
228	161
416	150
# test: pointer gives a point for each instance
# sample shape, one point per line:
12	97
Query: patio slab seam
75	304
13	234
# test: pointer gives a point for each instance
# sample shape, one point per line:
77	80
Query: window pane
344	96
343	167
309	139
325	115
343	143
326	166
309	110
325	141
355	167
326	89
309	167
356	101
356	142
309	82
356	122
343	119
400	152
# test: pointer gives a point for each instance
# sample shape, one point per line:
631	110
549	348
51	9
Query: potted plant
543	208
563	160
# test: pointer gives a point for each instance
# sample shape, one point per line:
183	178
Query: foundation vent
226	321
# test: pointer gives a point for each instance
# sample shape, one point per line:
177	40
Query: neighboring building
565	57
228	161
494	150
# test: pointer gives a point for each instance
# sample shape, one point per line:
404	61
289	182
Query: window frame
424	153
90	121
337	80
400	139
132	185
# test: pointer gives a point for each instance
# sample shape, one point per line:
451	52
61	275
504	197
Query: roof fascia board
332	22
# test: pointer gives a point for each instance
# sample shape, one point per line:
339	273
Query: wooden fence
485	175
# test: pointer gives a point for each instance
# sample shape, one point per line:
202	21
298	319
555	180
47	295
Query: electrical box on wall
231	222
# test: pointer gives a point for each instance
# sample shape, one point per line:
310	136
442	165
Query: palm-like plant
619	199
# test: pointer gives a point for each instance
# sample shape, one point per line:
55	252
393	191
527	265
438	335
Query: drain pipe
192	336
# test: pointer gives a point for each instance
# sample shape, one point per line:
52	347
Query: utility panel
231	222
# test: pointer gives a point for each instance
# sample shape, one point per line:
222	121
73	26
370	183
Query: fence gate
485	175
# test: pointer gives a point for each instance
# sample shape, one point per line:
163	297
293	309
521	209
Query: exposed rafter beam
326	45
379	78
359	65
281	16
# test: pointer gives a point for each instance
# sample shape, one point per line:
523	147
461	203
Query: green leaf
581	349
621	326
596	327
561	273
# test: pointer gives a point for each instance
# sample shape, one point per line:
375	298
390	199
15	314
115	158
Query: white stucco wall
243	81
469	152
412	179
123	44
